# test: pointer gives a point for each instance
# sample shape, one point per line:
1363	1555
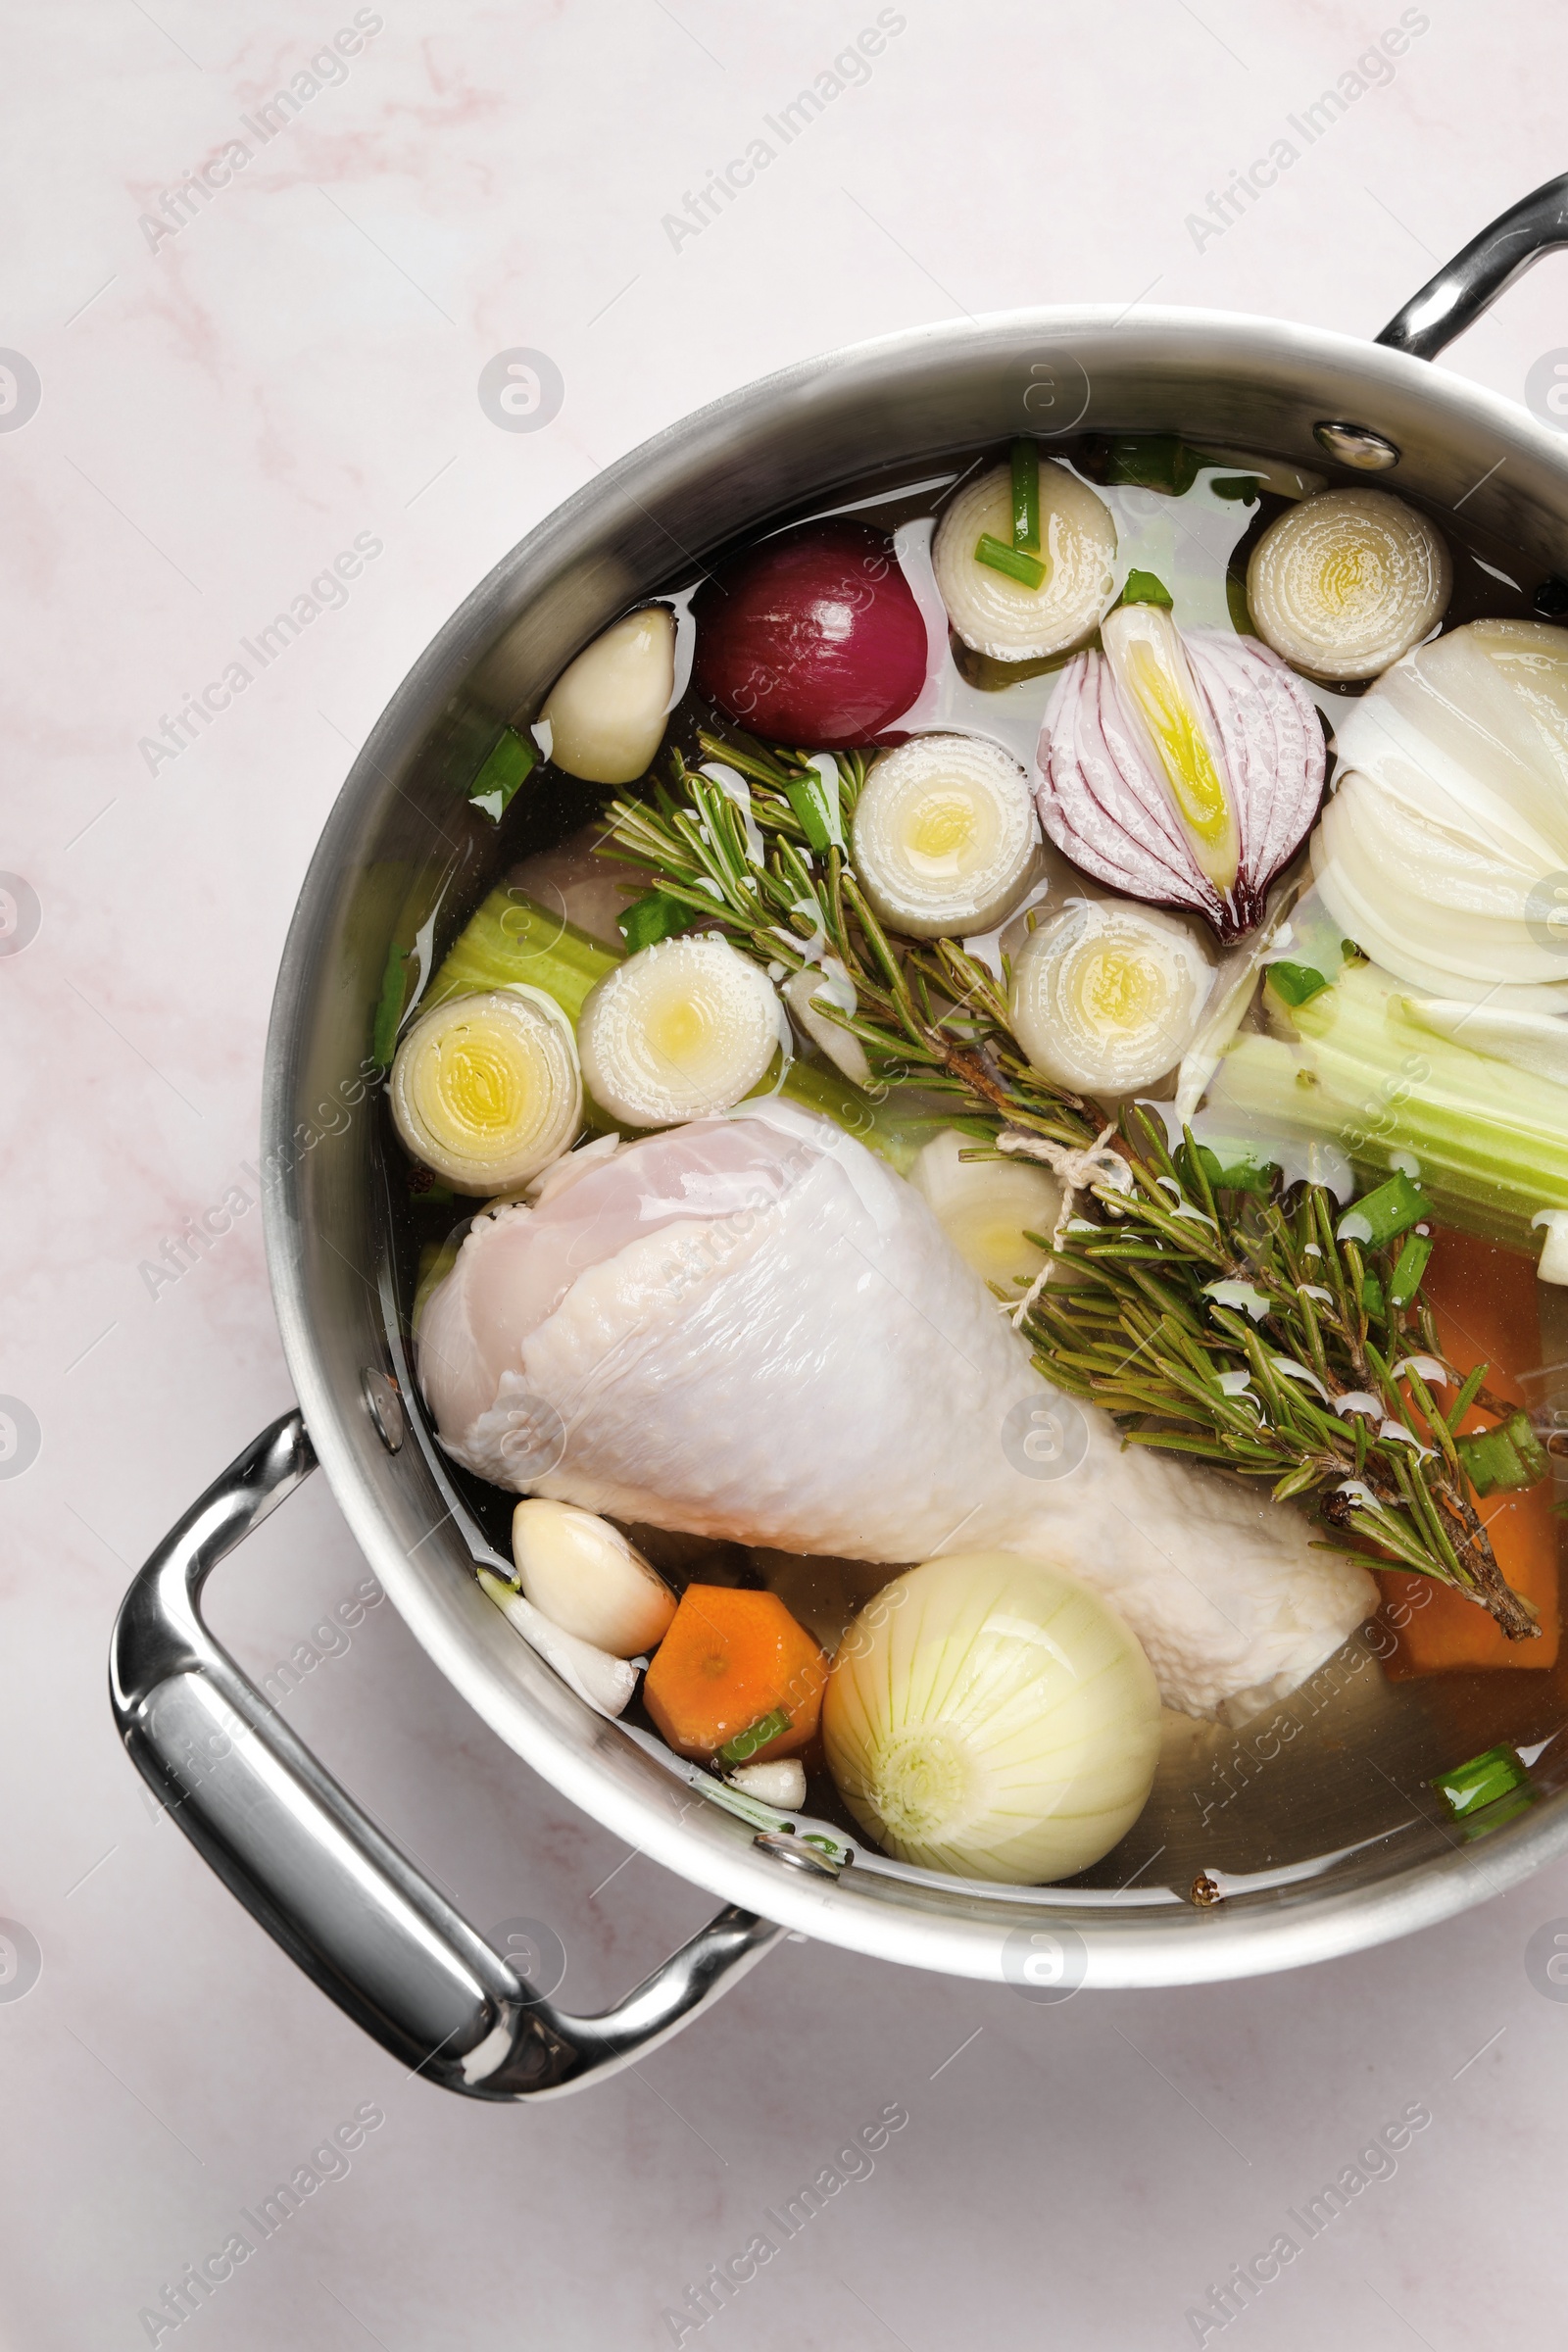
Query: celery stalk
1491	1141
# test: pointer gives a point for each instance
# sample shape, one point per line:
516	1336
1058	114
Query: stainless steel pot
355	1912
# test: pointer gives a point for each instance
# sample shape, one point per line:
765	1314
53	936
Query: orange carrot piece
1486	1307
729	1661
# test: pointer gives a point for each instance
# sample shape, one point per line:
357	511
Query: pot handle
1472	281
338	1895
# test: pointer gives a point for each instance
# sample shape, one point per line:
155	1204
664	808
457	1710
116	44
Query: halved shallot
1182	767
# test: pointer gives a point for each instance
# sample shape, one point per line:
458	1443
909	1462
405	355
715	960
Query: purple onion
1108	809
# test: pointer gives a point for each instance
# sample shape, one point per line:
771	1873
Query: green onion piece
1143	588
758	1735
512	758
389	1009
1241	489
1295	982
1481	1782
1372	1297
1411	1265
804	793
655	916
1378	1216
1026	496
1012	559
1506	1459
1155	462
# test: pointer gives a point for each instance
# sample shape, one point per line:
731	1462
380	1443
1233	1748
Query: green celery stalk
1491	1141
514	938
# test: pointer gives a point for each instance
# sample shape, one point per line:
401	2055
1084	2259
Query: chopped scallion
1377	1217
746	1744
1143	588
1295	982
512	758
1481	1782
1411	1265
806	796
1026	496
1505	1459
1027	569
653	917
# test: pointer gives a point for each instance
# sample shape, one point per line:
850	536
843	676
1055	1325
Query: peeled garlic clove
1178	737
486	1088
1005	617
945	837
606	1683
987	1206
782	1784
679	1031
1107	996
606	713
584	1576
831	985
1347	582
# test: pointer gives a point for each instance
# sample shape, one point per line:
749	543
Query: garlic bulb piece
781	1783
1108	996
486	1091
1443	846
805	992
679	1031
1005	617
992	1718
584	1576
987	1207
605	712
945	837
1177	758
1347	581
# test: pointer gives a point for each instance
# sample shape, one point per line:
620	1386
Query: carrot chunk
735	1674
1486	1307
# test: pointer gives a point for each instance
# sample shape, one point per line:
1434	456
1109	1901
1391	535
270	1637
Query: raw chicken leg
751	1328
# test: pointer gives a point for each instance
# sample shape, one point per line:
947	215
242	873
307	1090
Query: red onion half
1108	808
812	638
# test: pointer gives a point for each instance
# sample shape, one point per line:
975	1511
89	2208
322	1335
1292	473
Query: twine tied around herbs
1078	1171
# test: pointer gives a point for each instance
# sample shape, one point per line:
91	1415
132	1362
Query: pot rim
860	1912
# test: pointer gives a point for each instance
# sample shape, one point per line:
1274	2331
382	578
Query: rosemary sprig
775	876
1135	1326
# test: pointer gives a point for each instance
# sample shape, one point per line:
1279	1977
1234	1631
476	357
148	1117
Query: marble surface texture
225	400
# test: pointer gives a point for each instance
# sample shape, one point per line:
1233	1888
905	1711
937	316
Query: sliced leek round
1007	618
606	713
1346	582
486	1090
679	1031
945	836
1106	995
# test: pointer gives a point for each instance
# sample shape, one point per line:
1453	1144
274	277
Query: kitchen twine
1078	1171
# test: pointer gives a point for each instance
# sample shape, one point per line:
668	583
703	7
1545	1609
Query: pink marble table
237	383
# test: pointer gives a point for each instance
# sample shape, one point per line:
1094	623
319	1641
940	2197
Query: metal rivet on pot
1356	445
798	1853
384	1406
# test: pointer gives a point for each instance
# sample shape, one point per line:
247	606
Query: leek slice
679	1031
1347	582
945	838
1107	995
486	1090
989	1207
1010	618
